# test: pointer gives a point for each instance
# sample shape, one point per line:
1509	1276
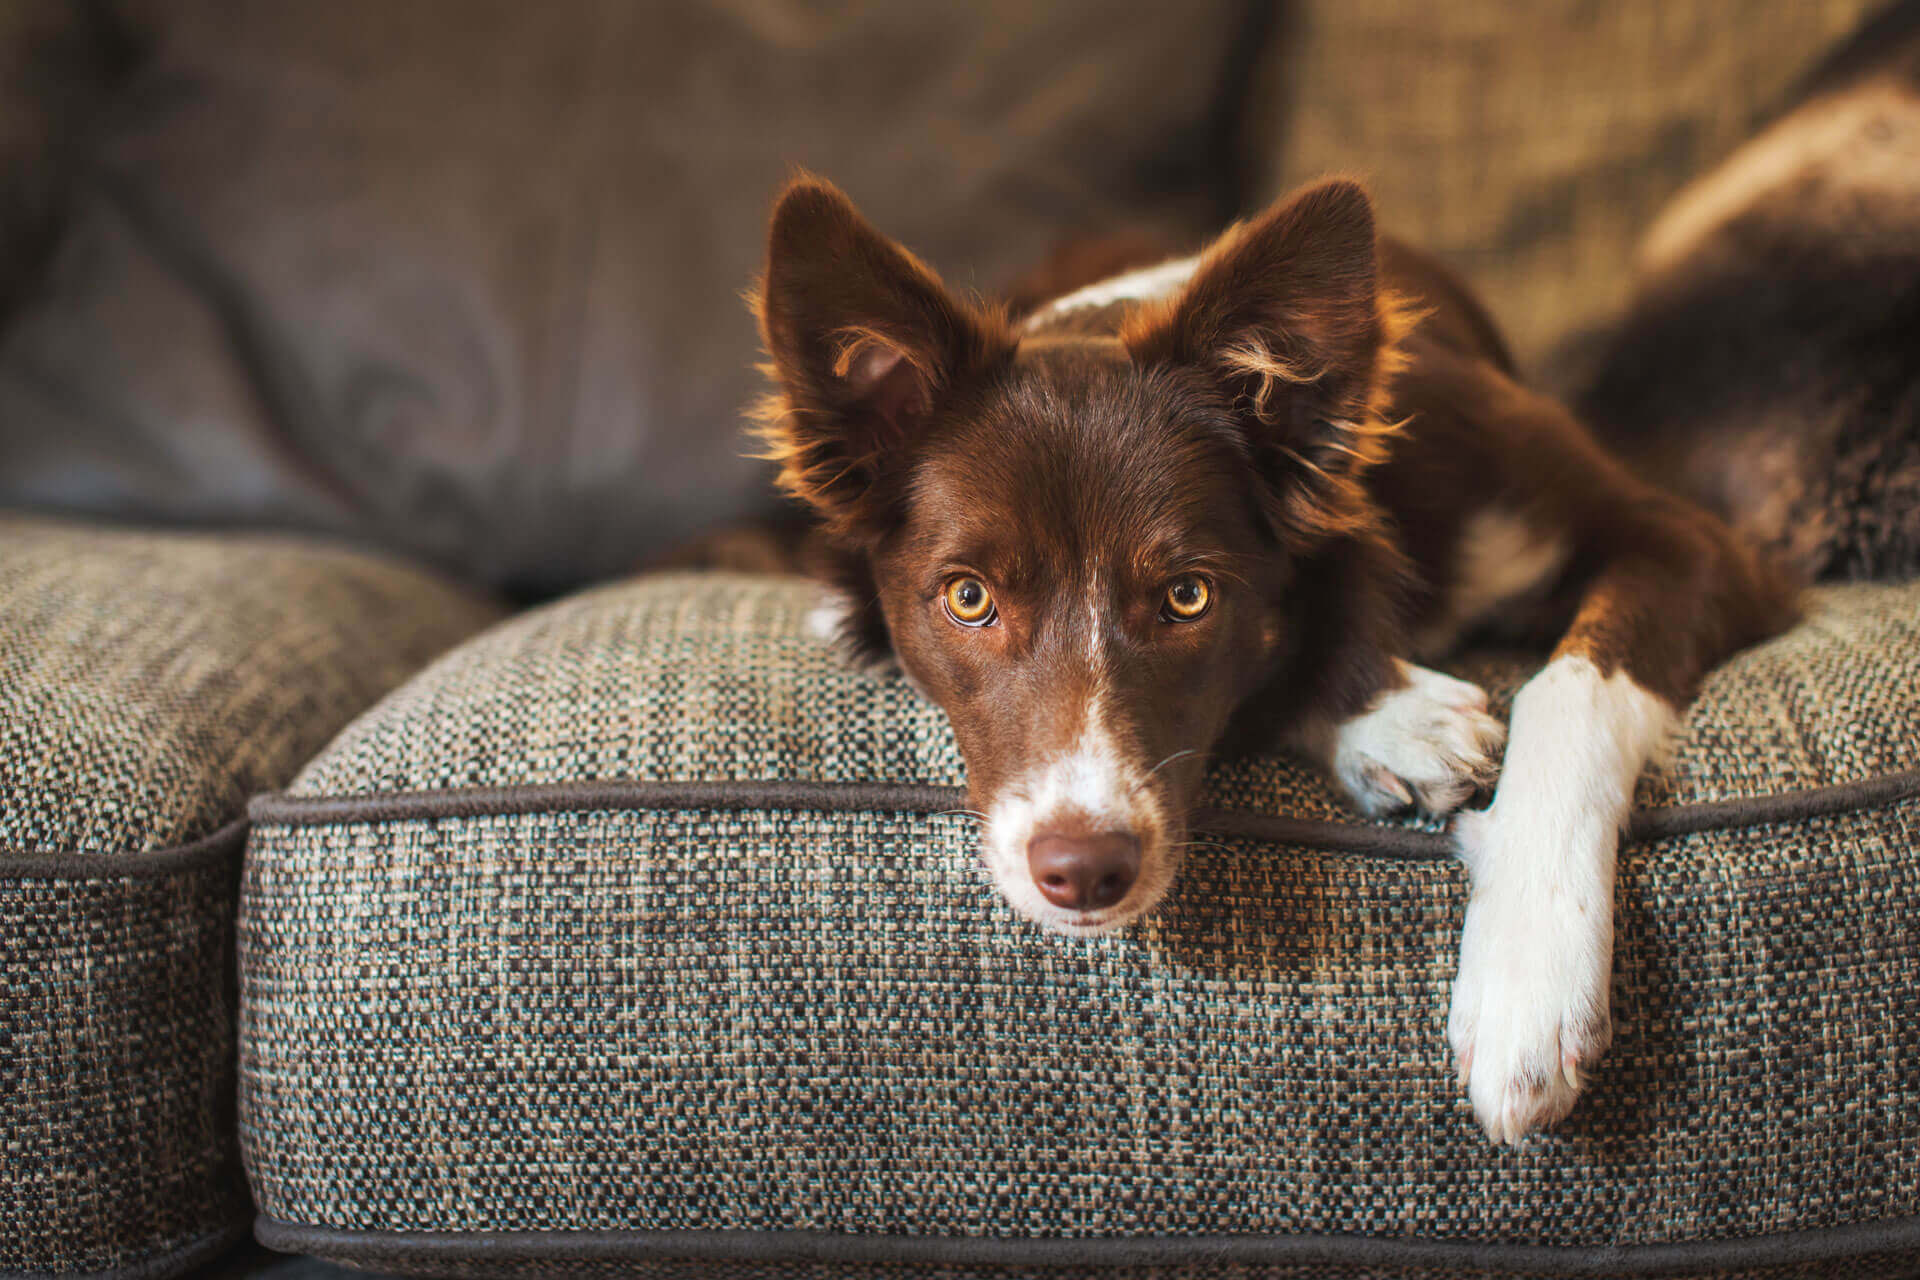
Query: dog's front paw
1530	1016
1429	745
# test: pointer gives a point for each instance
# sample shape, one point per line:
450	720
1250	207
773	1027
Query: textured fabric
148	684
1531	145
1890	1268
827	1020
830	1022
116	1083
721	678
463	277
851	1258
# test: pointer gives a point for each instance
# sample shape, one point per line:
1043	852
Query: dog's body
1241	495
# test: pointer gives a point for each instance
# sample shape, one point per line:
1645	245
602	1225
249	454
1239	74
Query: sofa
399	865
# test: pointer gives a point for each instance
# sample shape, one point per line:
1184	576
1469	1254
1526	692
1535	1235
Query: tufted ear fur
1286	314
862	341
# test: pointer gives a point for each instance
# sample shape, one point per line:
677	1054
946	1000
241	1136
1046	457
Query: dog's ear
1286	314
863	340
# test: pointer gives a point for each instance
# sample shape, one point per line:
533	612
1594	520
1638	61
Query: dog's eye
1189	596
969	603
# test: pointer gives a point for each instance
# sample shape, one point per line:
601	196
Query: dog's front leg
1530	1003
1530	1015
1427	743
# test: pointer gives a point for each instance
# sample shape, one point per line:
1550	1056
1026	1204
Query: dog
1245	496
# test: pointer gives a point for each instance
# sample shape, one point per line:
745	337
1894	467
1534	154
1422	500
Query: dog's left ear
1285	312
864	342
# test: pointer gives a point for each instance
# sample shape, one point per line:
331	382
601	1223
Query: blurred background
461	278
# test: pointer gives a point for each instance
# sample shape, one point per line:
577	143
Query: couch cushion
645	928
464	278
148	685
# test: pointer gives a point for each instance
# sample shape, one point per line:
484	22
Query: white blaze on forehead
1090	780
1134	286
1096	654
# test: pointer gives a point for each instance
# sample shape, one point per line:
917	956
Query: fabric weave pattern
148	684
752	1018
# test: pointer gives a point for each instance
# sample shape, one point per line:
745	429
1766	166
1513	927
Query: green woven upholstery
637	931
149	683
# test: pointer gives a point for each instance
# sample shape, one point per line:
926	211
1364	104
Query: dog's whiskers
1201	844
1190	751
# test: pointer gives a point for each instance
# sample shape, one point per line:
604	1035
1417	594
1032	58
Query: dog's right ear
863	340
1287	315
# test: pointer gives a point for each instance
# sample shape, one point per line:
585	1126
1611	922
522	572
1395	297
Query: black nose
1083	873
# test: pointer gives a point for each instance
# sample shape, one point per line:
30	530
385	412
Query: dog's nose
1082	873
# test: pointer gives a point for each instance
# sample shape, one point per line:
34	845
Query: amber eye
969	603
1189	596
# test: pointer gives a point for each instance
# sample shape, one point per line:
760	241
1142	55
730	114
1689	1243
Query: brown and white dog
1246	493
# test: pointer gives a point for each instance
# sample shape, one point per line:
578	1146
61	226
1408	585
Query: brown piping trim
378	1248
221	847
282	810
1784	806
1340	837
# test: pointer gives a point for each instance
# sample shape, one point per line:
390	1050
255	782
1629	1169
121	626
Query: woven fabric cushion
149	684
642	928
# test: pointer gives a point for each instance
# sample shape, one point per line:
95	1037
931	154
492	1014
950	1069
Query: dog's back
1770	366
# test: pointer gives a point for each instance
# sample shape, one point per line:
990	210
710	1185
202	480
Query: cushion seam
214	849
1812	1244
280	809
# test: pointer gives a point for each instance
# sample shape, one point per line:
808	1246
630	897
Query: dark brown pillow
462	278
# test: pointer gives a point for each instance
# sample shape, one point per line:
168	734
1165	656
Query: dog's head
1085	546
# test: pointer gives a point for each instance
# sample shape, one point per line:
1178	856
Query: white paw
1530	1015
1429	745
826	620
